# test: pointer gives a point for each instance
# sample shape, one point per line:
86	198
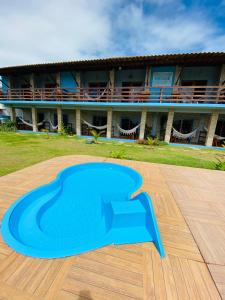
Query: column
211	128
143	123
109	123
59	118
169	126
34	118
78	122
12	112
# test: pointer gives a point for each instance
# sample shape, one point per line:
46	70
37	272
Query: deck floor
190	208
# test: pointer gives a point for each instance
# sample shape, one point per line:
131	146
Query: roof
202	58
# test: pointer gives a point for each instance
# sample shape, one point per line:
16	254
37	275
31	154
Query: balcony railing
174	94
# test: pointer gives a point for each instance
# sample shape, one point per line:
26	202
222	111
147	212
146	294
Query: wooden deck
190	208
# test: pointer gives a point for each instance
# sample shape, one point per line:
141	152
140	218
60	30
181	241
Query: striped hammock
100	96
184	136
30	124
96	127
129	131
218	137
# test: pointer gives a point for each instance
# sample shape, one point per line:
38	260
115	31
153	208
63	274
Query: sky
39	31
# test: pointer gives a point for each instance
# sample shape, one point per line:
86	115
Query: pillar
34	118
169	126
78	122
211	128
59	118
109	123
143	123
12	112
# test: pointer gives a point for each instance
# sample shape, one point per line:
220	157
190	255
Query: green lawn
19	150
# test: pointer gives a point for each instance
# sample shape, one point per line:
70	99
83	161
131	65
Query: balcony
173	94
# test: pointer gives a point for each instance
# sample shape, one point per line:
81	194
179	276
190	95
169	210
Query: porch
200	127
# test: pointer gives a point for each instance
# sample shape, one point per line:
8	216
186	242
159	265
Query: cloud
47	31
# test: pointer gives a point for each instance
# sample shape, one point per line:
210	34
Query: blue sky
39	31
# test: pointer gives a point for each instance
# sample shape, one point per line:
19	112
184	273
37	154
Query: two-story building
176	97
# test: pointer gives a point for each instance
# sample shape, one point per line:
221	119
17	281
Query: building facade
177	98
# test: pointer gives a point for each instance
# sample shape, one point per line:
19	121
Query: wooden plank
218	274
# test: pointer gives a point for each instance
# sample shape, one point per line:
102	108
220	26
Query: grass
19	150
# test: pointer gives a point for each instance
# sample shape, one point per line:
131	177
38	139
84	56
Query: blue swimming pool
86	207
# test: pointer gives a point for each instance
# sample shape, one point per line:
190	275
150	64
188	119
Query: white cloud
44	31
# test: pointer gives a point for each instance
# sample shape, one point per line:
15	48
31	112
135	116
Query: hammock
97	127
30	124
184	136
51	124
99	97
129	131
218	137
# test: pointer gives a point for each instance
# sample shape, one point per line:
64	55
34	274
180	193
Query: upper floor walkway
146	94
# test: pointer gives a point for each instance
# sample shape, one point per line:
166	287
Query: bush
120	154
8	126
153	141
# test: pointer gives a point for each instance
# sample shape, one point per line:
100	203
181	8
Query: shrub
153	141
120	154
8	126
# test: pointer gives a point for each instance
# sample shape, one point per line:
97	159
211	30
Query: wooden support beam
147	76
222	76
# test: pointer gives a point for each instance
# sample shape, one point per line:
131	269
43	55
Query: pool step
134	221
128	213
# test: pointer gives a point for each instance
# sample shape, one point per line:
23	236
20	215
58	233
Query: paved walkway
190	208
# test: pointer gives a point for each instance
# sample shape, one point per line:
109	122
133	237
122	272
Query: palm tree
96	135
